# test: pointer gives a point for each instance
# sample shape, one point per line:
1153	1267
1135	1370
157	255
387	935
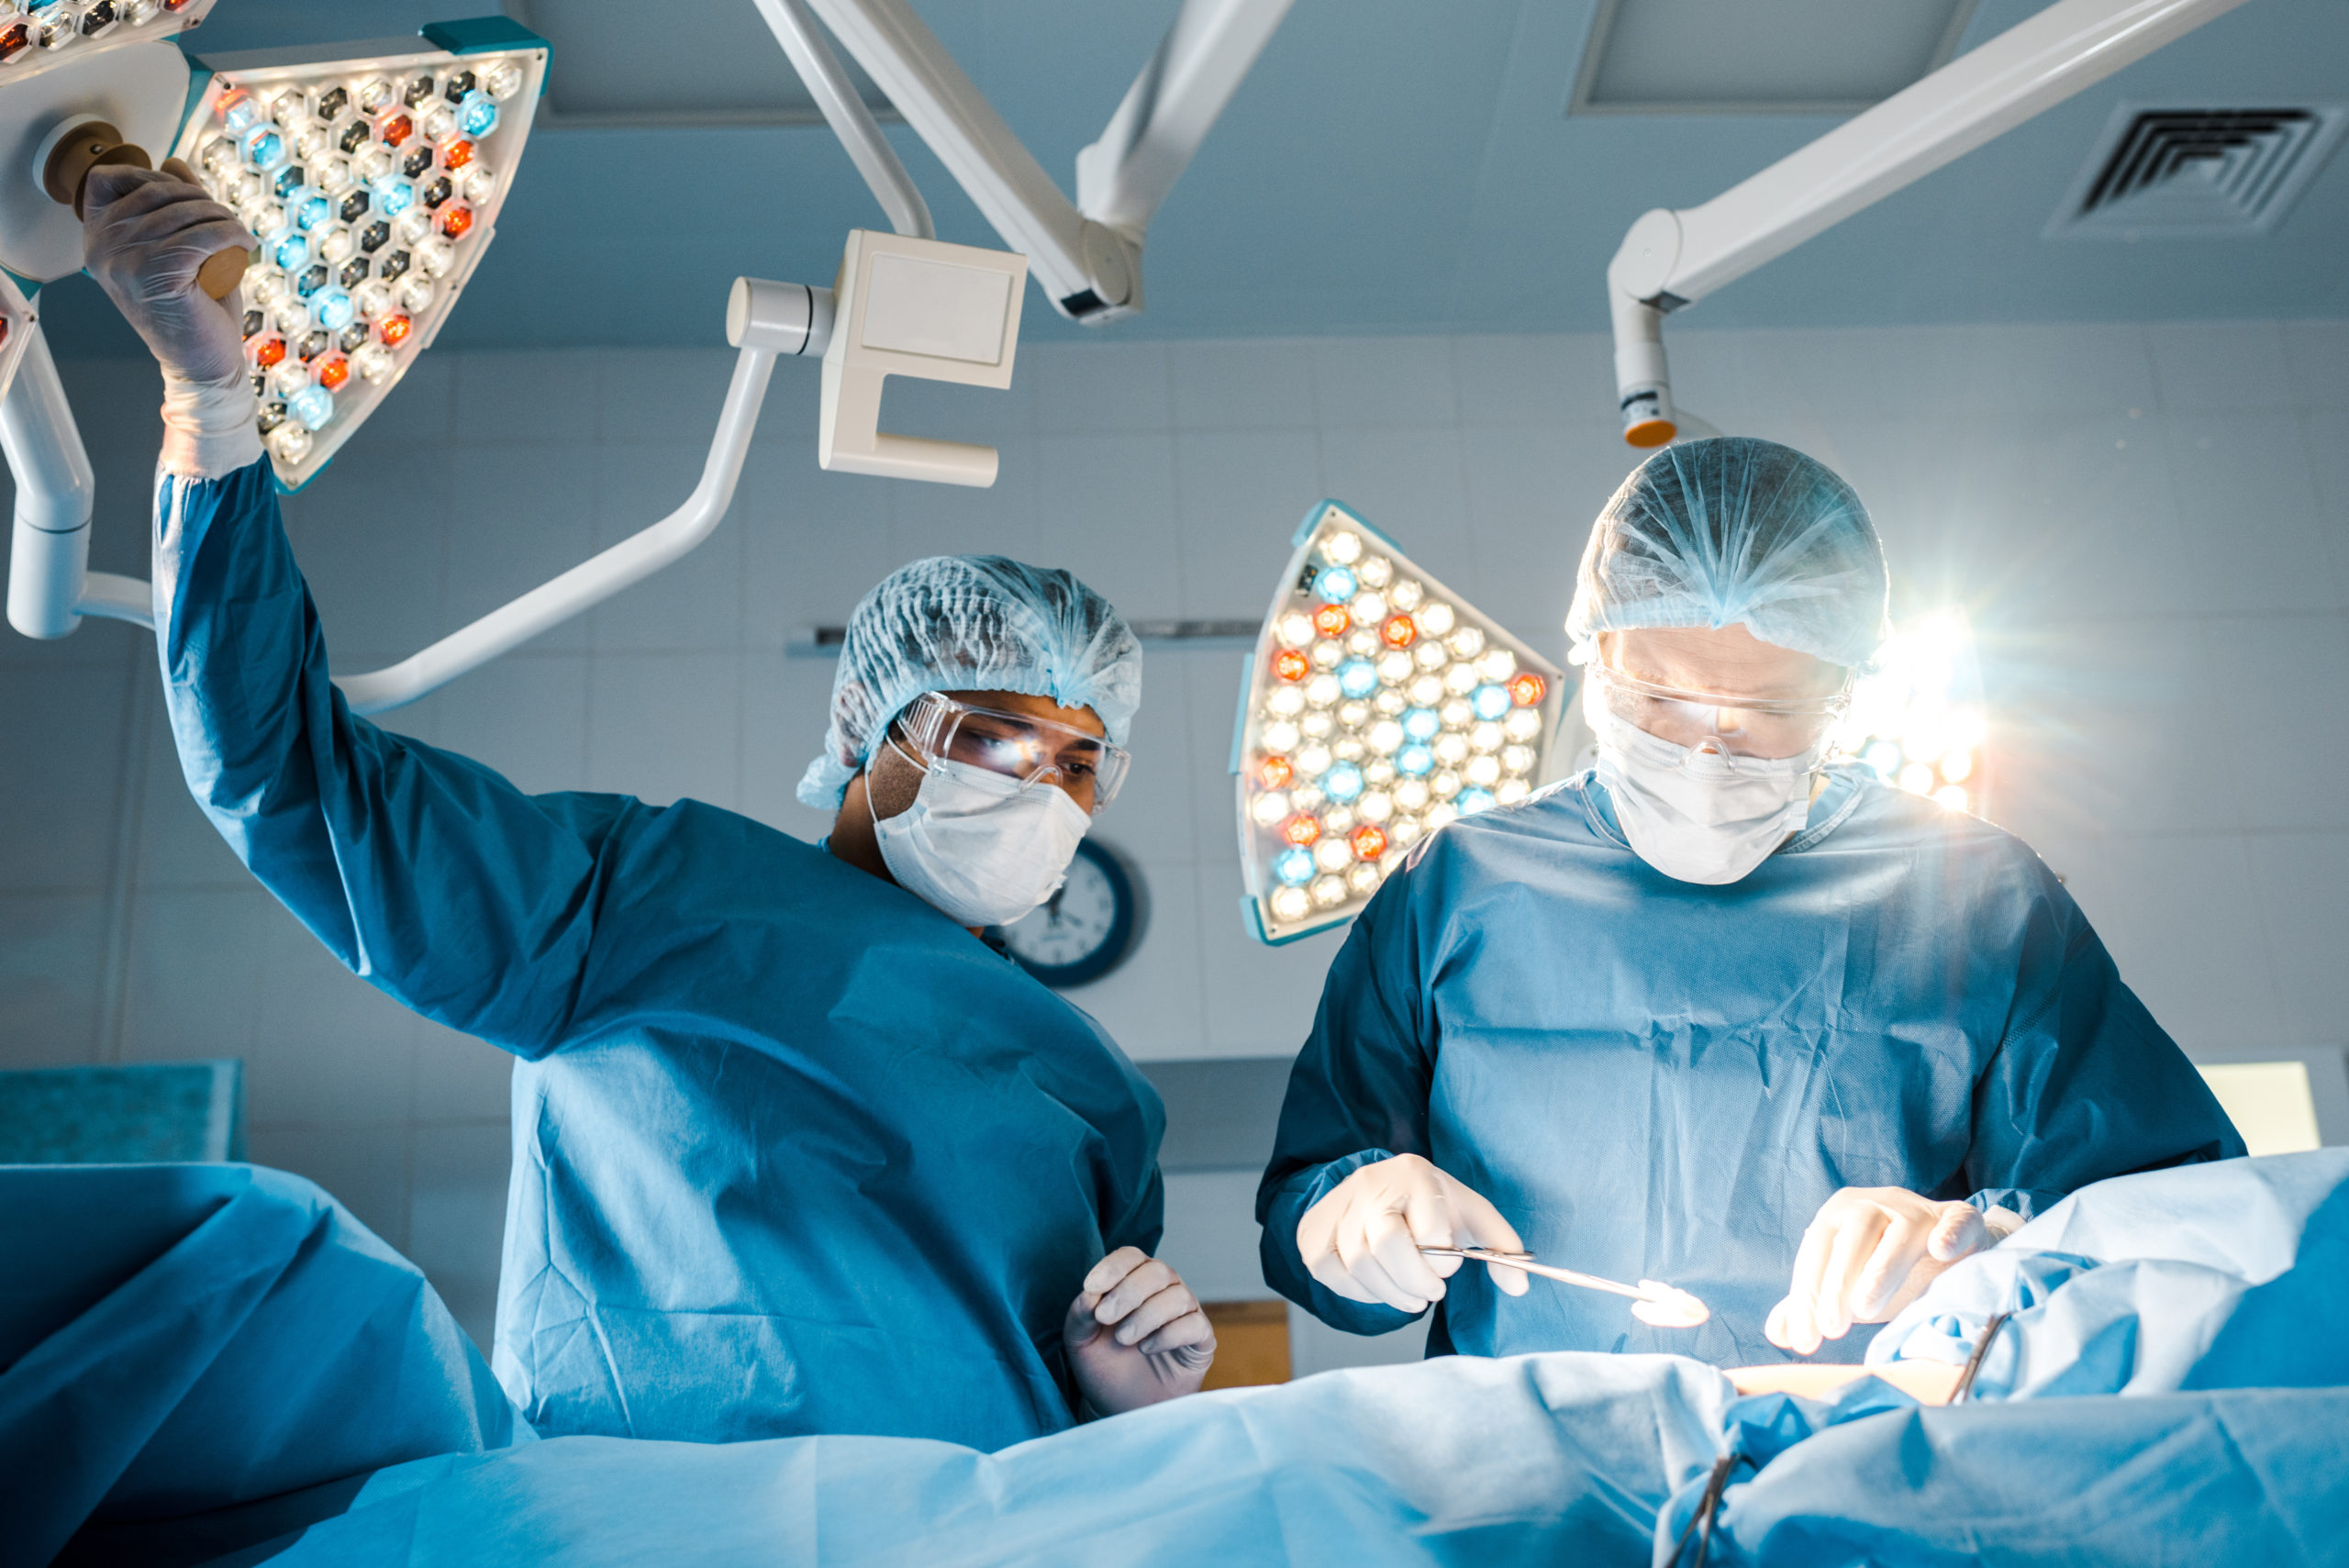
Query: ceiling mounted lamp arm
793	27
1672	259
1167	113
1086	257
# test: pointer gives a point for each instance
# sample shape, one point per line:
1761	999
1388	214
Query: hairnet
971	623
1716	532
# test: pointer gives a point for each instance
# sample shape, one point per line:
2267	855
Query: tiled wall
2150	527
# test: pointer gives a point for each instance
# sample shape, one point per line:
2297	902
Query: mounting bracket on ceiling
1670	259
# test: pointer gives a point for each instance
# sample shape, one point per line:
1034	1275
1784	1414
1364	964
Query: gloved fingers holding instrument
1363	1239
144	234
1869	1253
1135	1335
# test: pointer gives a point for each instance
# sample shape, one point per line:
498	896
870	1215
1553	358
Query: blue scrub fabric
793	1152
1654	1079
2221	1276
342	1359
208	1340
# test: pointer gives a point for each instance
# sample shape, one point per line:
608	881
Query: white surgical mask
977	845
1700	815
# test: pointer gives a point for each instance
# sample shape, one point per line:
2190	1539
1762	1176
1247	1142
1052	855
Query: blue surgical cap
1733	529
980	623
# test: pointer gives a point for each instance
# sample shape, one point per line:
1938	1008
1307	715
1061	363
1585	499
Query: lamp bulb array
1380	709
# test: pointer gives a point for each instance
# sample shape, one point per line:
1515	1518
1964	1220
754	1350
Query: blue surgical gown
793	1152
1654	1079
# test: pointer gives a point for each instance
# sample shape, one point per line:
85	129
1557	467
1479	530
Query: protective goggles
1017	746
1741	727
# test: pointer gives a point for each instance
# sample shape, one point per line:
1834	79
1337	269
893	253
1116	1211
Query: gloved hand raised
1135	1335
1362	1240
1871	1251
144	234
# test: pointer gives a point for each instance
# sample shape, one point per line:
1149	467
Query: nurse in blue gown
1719	1011
794	1150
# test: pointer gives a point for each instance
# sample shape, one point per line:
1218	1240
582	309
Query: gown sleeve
1358	1095
426	873
2085	1085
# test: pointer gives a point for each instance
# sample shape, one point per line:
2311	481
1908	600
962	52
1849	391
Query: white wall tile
1240	495
2072	368
1106	511
1212	1234
456	1222
2247	507
813	543
194	972
420	410
518	516
1410	484
514	396
1243	386
2219	367
370	535
2318	352
955	519
1151	817
786	702
327	1046
1383	380
2177	913
662	397
2284	764
1541	382
457	1077
60	773
1151	1004
1094	387
364	1166
664	727
52	962
2301	883
1260	1000
1211	697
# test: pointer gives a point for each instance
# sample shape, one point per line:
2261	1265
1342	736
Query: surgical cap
1733	529
971	623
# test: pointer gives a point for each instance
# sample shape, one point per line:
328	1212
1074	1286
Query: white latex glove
145	233
1362	1240
1871	1251
1136	1334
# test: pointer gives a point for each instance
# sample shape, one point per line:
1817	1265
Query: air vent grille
2179	172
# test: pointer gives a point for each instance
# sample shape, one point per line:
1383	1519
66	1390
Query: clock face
1082	930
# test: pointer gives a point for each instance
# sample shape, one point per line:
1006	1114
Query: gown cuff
208	429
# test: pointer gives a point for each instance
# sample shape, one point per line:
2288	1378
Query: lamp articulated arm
1669	260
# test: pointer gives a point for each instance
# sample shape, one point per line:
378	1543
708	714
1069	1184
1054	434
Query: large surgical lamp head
372	174
374	180
1379	705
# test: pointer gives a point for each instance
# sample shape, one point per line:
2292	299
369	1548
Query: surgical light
17	320
373	238
1348	755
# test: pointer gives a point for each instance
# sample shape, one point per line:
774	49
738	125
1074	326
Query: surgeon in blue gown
794	1150
1719	1011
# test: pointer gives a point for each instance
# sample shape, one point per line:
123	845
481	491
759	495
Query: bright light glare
1918	720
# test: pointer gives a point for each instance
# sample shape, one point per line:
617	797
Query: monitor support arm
1675	259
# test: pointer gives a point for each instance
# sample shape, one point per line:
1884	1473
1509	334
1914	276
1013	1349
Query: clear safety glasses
1017	746
1741	727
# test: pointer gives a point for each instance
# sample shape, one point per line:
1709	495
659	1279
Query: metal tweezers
1662	1294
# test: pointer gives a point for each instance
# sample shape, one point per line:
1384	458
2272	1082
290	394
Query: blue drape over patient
1653	1079
792	1151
